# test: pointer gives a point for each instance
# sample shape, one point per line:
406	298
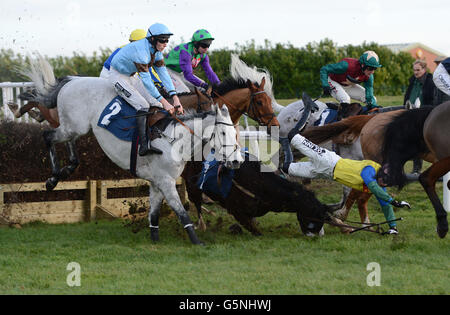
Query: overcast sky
62	27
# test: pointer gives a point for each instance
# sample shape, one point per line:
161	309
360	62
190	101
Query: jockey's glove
400	204
326	90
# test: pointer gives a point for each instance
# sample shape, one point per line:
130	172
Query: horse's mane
353	124
403	141
240	70
190	114
229	84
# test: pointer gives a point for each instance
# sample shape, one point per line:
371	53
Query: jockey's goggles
371	68
162	40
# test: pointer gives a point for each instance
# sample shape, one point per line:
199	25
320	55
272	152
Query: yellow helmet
137	34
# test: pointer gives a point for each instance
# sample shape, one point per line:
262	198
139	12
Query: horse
80	102
243	95
254	193
393	138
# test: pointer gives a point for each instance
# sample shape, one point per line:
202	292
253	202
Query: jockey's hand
326	90
400	204
177	105
167	106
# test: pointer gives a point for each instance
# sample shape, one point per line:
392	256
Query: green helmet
200	35
370	59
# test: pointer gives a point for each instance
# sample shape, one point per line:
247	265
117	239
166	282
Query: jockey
140	91
342	80
135	35
363	175
184	58
441	76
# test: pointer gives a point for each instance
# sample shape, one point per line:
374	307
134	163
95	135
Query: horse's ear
250	85
197	91
263	82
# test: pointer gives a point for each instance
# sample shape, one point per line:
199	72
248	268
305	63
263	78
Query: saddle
157	121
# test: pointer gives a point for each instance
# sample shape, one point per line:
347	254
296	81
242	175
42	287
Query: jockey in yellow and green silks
183	59
365	176
342	80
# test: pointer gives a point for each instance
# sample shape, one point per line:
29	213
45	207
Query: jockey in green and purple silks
342	80
182	60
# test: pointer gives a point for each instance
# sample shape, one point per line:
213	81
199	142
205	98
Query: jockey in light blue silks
182	60
342	80
140	91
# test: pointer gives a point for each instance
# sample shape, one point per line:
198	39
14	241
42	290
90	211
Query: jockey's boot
144	145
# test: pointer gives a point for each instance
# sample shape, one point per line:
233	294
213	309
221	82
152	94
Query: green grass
114	260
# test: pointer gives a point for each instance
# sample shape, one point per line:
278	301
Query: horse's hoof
154	235
441	232
51	183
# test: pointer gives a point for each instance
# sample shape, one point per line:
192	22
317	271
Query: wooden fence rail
96	204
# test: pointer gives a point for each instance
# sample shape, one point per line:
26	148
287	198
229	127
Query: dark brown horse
393	138
254	193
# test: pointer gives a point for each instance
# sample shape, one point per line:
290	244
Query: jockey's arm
210	74
161	70
186	68
368	175
337	68
370	99
143	70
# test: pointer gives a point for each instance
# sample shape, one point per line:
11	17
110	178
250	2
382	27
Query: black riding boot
144	145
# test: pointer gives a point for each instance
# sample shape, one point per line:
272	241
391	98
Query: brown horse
391	139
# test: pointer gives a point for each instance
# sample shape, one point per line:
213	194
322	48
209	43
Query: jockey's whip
369	225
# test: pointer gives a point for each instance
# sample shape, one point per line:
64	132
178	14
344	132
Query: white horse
80	102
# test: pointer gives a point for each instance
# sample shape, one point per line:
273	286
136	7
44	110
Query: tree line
293	69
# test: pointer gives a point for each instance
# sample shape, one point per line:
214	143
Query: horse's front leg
428	181
156	198
168	187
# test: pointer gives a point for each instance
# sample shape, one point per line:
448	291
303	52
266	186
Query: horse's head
347	110
223	139
383	176
260	106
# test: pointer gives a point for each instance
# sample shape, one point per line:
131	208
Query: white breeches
441	79
181	84
132	90
321	161
344	94
104	73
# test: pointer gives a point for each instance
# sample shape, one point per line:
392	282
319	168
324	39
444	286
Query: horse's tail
353	124
46	87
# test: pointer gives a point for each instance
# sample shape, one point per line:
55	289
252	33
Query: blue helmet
158	29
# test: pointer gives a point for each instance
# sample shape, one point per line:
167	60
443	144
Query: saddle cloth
112	119
328	116
209	181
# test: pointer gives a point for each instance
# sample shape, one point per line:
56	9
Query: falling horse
254	193
393	138
80	102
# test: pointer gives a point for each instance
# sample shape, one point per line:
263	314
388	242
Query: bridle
250	109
